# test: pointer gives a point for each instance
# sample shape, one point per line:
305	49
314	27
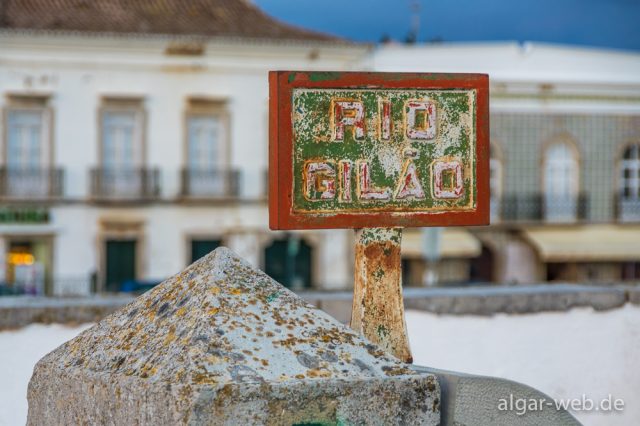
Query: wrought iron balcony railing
125	184
538	207
24	184
210	183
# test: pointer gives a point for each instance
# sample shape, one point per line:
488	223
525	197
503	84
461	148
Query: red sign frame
281	87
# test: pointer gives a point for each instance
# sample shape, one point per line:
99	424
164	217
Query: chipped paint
374	128
378	310
420	123
448	179
363	125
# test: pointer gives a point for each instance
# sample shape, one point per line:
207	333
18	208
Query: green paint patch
273	296
323	76
378	274
380	235
382	331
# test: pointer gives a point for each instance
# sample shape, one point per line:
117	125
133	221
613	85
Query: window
25	142
204	139
27	171
495	182
121	141
121	173
206	173
560	182
630	184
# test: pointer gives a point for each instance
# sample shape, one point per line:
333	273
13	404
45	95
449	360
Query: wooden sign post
378	152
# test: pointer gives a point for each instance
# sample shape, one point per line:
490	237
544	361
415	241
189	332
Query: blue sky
602	23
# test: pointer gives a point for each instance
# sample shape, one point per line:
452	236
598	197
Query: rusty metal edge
273	195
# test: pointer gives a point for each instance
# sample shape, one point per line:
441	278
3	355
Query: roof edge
331	43
515	44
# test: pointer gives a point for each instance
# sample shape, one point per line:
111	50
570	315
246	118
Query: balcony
537	208
125	185
627	208
31	184
207	184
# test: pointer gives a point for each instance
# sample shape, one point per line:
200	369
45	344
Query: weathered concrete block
222	343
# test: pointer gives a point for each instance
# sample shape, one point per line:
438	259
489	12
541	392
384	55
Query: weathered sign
354	150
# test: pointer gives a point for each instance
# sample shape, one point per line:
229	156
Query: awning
454	242
589	243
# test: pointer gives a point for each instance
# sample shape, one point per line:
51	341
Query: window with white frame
121	139
205	134
27	158
630	183
25	139
560	171
121	171
206	173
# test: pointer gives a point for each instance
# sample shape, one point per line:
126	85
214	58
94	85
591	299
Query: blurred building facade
132	142
565	144
135	140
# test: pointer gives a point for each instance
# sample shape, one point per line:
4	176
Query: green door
200	248
288	261
121	263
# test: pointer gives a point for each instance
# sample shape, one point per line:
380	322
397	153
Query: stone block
222	343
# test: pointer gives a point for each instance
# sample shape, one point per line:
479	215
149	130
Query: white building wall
336	259
75	248
76	72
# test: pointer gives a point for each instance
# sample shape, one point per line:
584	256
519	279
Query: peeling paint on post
378	152
378	311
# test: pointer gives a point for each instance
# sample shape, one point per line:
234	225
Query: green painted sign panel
378	149
360	150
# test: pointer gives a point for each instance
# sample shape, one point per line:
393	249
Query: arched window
630	183
495	181
561	184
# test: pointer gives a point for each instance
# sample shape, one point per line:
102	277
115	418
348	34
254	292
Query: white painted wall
76	72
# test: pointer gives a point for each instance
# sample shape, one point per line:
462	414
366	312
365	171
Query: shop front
27	265
26	251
